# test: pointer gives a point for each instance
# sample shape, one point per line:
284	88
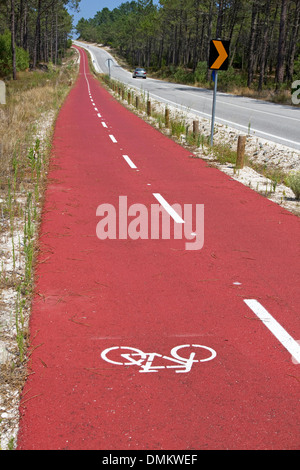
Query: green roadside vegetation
26	127
171	39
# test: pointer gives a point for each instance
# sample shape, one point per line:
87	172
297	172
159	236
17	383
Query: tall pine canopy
175	35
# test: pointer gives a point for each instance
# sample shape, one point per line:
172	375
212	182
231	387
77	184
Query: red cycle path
154	295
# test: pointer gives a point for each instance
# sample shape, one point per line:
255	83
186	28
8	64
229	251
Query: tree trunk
209	33
219	28
56	39
195	58
36	47
294	42
252	43
13	39
281	44
264	47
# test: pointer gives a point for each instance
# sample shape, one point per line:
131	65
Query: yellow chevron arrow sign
218	57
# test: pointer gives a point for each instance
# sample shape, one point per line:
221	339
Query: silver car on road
139	72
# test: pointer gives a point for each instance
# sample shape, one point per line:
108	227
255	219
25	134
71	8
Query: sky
88	8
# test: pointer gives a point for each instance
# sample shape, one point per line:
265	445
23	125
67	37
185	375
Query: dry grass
32	95
26	124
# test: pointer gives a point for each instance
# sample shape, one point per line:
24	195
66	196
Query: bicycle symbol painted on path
128	356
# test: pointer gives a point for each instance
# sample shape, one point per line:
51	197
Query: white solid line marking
202	113
113	139
130	162
104	125
168	208
244	107
278	331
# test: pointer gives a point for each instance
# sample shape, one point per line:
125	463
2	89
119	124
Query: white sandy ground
258	149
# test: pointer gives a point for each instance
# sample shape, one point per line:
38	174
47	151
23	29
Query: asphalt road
273	122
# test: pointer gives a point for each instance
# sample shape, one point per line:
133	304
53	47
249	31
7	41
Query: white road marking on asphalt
242	107
278	331
168	208
99	115
104	125
235	124
113	139
129	161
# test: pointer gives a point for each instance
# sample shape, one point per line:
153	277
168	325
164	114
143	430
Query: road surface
141	343
270	121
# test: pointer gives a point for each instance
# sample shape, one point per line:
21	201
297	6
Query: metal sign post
214	108
109	61
218	60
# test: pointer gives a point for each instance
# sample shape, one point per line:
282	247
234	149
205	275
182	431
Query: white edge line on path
168	208
113	139
278	331
129	161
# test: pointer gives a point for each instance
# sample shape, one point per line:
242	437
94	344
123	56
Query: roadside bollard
195	128
240	158
167	117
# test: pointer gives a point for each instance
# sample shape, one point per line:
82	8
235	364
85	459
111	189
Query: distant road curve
270	121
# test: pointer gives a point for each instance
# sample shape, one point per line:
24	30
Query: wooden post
240	158
195	128
129	97
137	102
149	108
167	117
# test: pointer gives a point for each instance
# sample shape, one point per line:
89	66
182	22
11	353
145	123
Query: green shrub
22	56
201	72
294	184
183	76
297	68
229	79
22	59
